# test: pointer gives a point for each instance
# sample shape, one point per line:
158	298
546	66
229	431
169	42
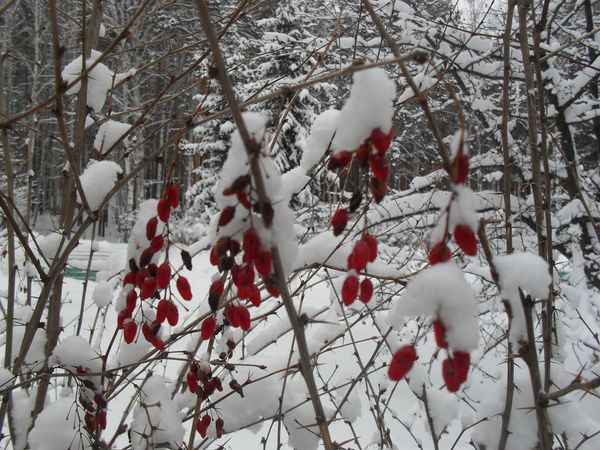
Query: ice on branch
528	272
109	133
100	79
156	420
97	180
370	106
441	292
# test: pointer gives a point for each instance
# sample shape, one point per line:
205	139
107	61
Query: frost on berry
439	253
465	239
402	362
439	331
339	220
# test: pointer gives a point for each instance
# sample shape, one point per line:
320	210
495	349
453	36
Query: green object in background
79	274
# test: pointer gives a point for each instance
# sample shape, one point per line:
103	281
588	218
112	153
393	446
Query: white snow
100	80
109	133
97	180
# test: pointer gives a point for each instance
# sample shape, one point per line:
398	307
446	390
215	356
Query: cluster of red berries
371	154
464	236
146	279
364	251
95	412
455	368
209	384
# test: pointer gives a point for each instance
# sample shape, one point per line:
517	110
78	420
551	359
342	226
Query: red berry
339	220
162	310
380	167
378	189
217	288
359	257
254	295
148	288
460	169
263	262
372	244
129	331
129	278
157	244
362	155
465	239
146	257
340	160
173	195
122	318
219	427
439	253
450	376
251	243
366	290
192	382
101	419
163	275
183	286
214	256
130	301
439	331
209	325
380	140
232	316
164	209
272	289
172	314
151	228
461	362
402	362
226	215
350	289
141	276
244	199
243	316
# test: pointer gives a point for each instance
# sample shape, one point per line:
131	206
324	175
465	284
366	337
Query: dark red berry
226	215
151	228
366	290
162	310
148	288
209	325
129	331
251	243
339	220
460	169
380	140
164	209
465	239
157	243
163	275
173	195
439	331
402	362
184	288
350	289
380	168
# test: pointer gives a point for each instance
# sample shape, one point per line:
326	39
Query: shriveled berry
151	226
362	155
208	327
184	288
339	220
164	209
350	289
219	427
439	253
439	331
402	362
366	290
465	239
378	189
